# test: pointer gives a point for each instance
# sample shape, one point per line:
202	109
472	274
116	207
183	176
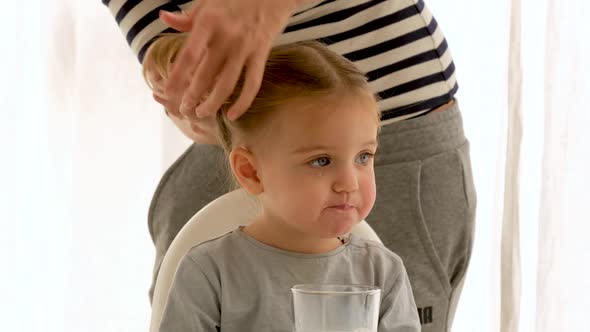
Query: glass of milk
335	308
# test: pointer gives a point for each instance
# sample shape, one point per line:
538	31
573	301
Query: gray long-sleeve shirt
237	284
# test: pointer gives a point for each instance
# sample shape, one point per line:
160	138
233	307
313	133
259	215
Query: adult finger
224	86
168	107
252	81
186	63
204	77
159	99
179	22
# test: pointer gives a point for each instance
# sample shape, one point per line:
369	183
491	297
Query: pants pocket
398	221
445	207
424	212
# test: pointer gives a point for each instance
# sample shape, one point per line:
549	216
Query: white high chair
219	217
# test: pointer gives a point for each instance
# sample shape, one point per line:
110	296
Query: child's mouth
342	207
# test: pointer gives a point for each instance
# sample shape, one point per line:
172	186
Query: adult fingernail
184	109
199	113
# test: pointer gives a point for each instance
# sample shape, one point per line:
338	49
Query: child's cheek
369	196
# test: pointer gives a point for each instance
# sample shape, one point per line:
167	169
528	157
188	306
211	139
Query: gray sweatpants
424	210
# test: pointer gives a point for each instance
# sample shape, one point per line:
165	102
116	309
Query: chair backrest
220	216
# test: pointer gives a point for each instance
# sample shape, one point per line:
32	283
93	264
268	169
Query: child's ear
243	166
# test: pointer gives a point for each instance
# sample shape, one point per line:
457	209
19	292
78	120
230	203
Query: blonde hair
298	70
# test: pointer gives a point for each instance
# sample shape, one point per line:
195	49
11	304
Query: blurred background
84	145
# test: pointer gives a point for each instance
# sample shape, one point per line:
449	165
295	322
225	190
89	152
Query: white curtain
563	270
82	152
83	147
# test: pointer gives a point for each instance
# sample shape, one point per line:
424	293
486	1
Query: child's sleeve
140	22
398	311
193	302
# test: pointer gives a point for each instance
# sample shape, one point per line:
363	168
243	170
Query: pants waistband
421	137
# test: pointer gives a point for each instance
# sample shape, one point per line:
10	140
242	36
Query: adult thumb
179	22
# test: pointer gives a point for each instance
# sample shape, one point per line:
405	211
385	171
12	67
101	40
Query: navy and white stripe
397	43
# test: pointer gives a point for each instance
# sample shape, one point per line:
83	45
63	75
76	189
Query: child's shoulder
215	248
373	250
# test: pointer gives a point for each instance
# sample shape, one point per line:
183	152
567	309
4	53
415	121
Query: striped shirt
397	43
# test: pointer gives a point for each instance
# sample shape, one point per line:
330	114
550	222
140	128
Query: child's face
316	164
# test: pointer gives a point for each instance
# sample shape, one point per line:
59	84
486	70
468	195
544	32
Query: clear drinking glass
335	308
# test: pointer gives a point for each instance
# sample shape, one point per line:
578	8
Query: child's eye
365	157
320	162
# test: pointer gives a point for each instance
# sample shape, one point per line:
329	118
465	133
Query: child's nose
346	180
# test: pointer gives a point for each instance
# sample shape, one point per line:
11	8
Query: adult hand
202	130
226	37
158	83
